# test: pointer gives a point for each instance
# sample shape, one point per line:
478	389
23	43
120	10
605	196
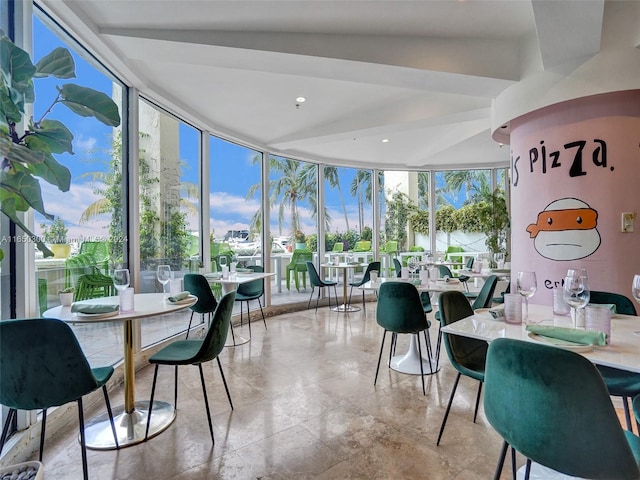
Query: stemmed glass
121	279
527	286
413	265
164	275
576	293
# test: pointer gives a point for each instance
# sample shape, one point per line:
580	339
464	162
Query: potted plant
55	236
300	239
66	296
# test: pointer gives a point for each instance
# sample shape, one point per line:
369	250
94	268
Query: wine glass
576	293
164	275
412	265
121	279
527	286
635	288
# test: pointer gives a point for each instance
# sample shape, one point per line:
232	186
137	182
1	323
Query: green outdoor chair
101	252
362	246
391	248
298	265
560	418
338	247
82	273
41	366
196	352
451	251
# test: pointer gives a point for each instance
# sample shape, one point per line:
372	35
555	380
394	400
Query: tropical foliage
27	145
56	233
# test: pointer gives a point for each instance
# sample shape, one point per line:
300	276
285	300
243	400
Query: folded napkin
353	263
610	306
580	337
178	296
94	308
497	312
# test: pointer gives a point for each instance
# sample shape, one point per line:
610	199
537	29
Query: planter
66	299
35	471
60	250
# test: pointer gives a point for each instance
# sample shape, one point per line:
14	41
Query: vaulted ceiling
421	74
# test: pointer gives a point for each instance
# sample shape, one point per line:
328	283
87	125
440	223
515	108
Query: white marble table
345	267
131	418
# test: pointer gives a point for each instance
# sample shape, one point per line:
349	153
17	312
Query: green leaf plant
28	146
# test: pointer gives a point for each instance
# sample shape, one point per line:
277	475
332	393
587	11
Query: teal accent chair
198	285
42	366
297	266
561	418
197	352
445	271
397	266
467	355
400	311
465	278
620	383
316	281
251	291
372	267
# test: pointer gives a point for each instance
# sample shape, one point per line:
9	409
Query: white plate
213	275
96	316
183	301
569	346
250	272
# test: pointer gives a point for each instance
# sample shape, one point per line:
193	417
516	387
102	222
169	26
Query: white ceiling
422	74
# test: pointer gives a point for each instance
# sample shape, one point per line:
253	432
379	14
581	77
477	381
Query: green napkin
353	263
610	306
93	308
577	336
178	296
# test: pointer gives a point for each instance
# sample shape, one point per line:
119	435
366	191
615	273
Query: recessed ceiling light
301	99
385	140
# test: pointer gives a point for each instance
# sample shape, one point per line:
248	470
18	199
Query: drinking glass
527	286
576	293
164	275
121	279
635	288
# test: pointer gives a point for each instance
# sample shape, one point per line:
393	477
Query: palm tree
473	182
362	189
331	174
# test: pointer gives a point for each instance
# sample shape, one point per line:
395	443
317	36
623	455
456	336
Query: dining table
130	418
409	362
345	267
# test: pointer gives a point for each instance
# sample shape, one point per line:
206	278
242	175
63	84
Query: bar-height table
345	266
131	418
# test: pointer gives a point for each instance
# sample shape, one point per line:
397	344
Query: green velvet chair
43	366
297	266
317	282
372	267
400	311
251	291
467	355
198	285
397	267
552	406
465	278
620	383
196	352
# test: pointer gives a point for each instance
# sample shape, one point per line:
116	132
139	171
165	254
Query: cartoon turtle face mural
566	230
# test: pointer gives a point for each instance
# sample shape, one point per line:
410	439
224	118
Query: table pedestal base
130	427
410	362
538	472
345	308
235	340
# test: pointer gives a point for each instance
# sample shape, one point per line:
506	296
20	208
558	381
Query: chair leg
424	392
153	391
527	471
310	297
262	312
206	402
42	432
627	413
224	381
248	317
384	334
5	430
350	291
438	343
233	336
475	413
446	413
318	297
503	454
514	470
110	413
427	341
189	326
83	441
175	387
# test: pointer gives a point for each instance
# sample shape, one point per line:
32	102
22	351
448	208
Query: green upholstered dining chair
42	366
297	266
467	355
317	282
197	352
620	383
400	311
198	285
560	418
397	266
251	291
372	267
445	271
465	278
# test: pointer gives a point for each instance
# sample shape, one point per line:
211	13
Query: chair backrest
362	246
624	306
400	308
101	251
444	271
469	264
485	296
41	364
300	258
216	336
391	246
463	352
562	418
416	248
255	288
198	285
372	267
338	247
314	278
453	249
425	298
76	266
397	266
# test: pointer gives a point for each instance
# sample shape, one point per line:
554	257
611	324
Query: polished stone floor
305	408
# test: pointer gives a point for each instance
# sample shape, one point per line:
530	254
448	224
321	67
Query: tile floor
305	408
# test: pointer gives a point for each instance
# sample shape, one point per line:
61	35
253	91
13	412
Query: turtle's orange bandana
569	219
